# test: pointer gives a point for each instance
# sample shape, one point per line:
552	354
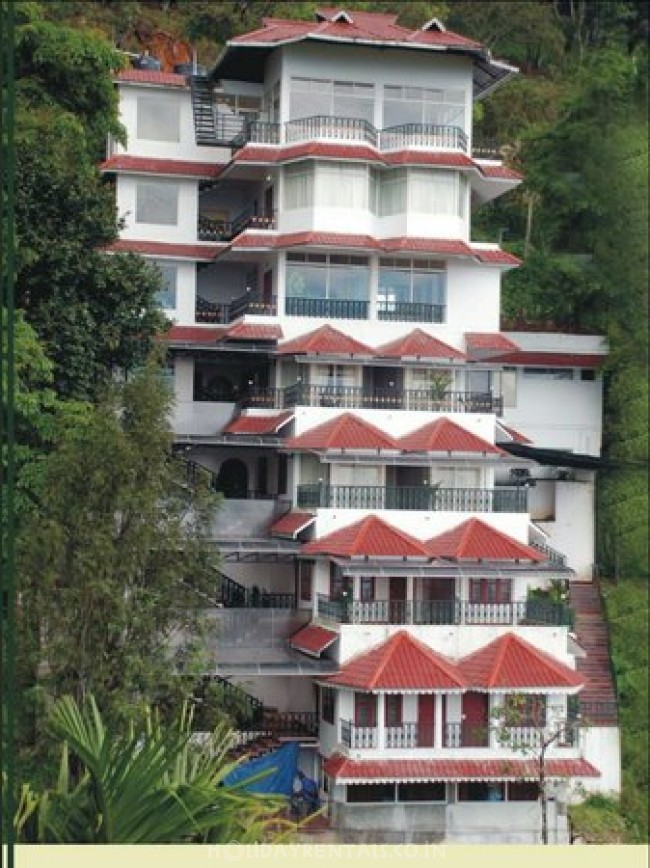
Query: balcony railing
354	736
267	398
465	735
225	230
253	303
421	497
325	127
327	308
451	611
379	399
410	311
434	137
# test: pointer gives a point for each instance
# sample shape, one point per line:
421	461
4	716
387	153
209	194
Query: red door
397	599
475	720
426	718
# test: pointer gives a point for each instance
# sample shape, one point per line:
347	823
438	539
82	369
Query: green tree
115	565
144	783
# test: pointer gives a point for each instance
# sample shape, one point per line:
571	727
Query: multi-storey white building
338	365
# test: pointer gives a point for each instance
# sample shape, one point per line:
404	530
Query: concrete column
409	598
381	717
437	722
374	283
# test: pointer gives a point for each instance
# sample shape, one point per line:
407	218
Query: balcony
441	612
465	735
221	313
410	311
358	736
326	308
324	127
359	397
225	230
433	137
420	497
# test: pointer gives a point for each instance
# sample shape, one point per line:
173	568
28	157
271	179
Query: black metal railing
290	723
328	308
246	709
233	595
487	148
209	229
452	611
555	557
327	127
421	497
211	312
250	302
431	136
379	399
410	311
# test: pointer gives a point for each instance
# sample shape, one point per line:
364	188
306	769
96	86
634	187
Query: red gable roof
495	257
399	664
551	360
517	436
512	663
344	769
292	523
192	335
419	345
251	331
202	252
371	537
258	424
157	166
347	432
443	435
476	540
151	76
325	341
488	342
313	640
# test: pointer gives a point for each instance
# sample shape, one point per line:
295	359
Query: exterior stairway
598	703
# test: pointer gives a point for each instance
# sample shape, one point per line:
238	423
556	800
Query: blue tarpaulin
281	766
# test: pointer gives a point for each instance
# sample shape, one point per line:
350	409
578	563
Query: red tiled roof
399	664
193	335
365	26
371	537
150	165
551	360
495	257
419	345
441	246
325	341
488	341
476	540
151	76
517	436
251	331
292	523
247	424
511	662
346	432
443	435
203	252
409	157
499	172
257	240
344	769
326	239
313	640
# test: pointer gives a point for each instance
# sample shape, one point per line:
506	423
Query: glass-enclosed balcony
327	286
418	497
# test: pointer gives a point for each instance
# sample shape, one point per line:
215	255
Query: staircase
211	127
597	700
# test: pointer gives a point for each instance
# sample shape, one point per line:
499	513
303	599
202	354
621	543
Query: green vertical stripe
7	305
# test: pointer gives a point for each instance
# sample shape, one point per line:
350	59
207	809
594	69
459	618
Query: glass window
490	590
362	793
156	202
306	577
334	277
328	699
419	105
549	373
367	589
299	185
412	281
159	118
479	791
393	709
365	709
311	97
437	192
392	192
429	792
523	791
166	298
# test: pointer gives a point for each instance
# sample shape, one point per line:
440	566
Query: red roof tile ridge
389	649
502	650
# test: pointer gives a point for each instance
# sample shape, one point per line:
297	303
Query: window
490	590
548	373
392	192
328	699
306	569
166	297
588	375
393	709
456	477
327	185
311	275
480	791
299	185
429	792
159	118
365	709
311	97
340	585
412	282
523	791
156	202
367	589
363	793
437	192
404	104
508	386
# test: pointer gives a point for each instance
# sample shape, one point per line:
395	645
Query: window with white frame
404	104
166	297
456	477
158	118
327	185
412	281
393	192
437	192
156	202
319	275
312	97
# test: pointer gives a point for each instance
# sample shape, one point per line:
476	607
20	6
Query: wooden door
475	720
397	599
426	719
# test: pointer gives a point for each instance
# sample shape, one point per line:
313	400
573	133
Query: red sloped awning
313	640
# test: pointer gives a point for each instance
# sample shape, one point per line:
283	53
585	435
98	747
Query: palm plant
152	785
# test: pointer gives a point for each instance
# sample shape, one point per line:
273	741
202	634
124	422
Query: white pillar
381	717
437	722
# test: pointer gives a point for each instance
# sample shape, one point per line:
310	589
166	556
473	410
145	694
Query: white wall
183	232
572	532
602	748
